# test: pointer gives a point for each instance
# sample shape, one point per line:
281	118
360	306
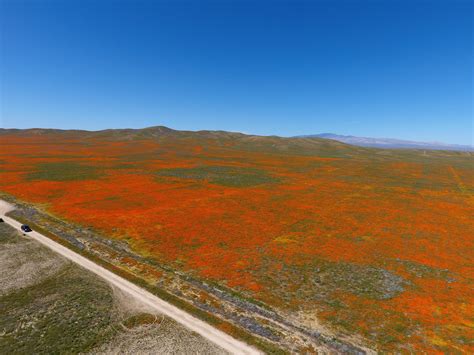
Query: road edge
216	336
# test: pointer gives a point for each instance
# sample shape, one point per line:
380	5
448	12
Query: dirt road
214	335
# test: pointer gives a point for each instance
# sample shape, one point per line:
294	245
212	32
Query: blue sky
380	68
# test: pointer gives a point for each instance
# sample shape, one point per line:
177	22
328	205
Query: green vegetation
362	280
66	311
222	175
64	171
7	234
69	312
139	320
328	281
425	271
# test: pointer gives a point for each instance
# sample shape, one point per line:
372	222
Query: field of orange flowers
376	244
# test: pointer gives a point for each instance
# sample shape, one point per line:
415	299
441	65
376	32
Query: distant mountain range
389	142
324	143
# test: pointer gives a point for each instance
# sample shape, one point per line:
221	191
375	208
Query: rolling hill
301	243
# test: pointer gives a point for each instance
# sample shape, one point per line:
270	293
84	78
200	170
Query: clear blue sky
381	68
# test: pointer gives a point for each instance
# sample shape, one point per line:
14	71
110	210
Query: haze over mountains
390	142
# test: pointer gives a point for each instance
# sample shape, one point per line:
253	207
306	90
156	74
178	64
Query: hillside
163	134
318	145
391	143
303	243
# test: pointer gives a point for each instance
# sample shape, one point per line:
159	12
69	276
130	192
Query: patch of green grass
387	339
222	175
335	304
64	171
69	312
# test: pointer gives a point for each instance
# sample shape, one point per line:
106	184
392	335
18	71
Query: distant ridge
234	140
327	144
389	142
122	133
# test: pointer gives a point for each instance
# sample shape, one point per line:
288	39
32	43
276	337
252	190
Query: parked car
1	220
25	228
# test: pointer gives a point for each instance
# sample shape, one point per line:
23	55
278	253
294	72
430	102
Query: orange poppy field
374	243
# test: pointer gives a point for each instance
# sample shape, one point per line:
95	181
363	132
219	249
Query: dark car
25	228
1	220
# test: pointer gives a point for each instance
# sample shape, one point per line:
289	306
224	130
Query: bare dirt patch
23	262
165	337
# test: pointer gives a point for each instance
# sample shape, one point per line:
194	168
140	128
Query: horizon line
244	133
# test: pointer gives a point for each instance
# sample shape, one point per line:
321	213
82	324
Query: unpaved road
214	335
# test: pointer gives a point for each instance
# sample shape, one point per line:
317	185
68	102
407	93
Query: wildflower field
373	243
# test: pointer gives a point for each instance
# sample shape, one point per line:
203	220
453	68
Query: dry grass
50	305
